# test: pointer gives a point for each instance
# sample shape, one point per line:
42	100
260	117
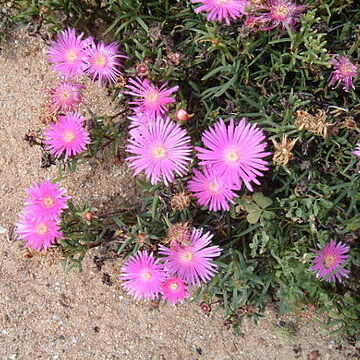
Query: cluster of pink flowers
266	16
233	156
39	223
161	148
270	14
183	264
73	56
329	262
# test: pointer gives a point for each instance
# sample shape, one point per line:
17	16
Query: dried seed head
180	201
314	123
174	57
178	234
283	154
349	123
47	115
121	82
141	238
45	10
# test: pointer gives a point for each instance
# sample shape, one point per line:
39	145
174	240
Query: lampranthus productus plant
235	152
103	62
66	97
67	136
263	158
329	262
39	224
221	10
344	72
149	99
67	54
161	151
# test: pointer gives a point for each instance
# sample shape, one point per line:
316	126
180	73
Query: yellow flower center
71	55
282	11
68	136
65	95
152	96
347	69
159	152
42	229
187	256
146	275
213	187
232	156
100	60
174	286
329	260
48	202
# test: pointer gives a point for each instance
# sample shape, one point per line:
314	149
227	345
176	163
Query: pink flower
151	100
160	150
234	152
345	72
143	276
211	190
38	233
174	290
139	122
329	262
67	53
103	62
46	201
66	96
356	152
192	263
67	135
221	10
278	13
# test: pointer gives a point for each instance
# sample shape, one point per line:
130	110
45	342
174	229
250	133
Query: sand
47	313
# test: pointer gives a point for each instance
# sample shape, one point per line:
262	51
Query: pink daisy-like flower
278	13
143	276
356	152
234	152
66	96
221	10
211	190
192	263
38	233
150	100
329	260
345	72
103	62
67	135
46	200
67	53
160	150
174	290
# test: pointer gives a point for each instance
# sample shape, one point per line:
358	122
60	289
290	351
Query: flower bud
142	70
182	115
88	216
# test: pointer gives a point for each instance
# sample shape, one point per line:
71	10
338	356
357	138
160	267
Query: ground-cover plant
282	211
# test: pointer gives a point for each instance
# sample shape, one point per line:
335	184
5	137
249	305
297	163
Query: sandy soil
46	313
